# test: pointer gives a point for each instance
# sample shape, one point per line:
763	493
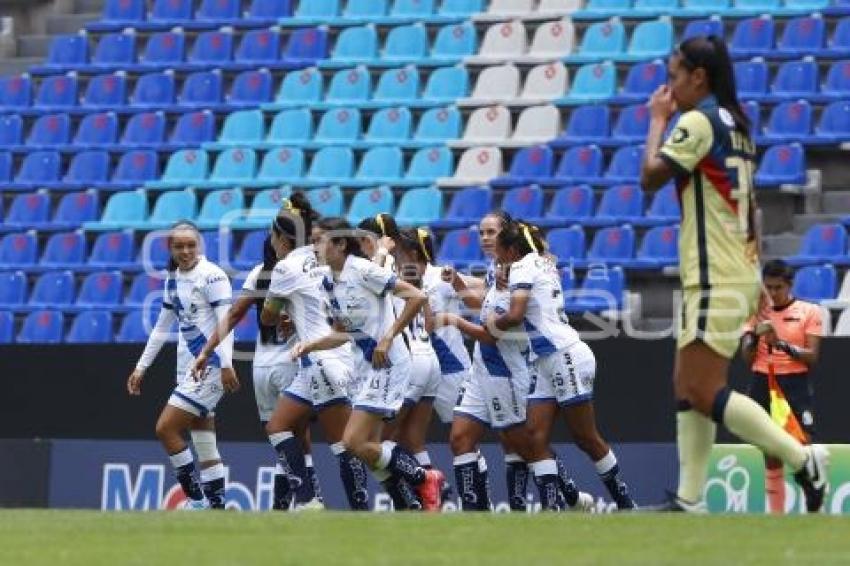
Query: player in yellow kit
710	154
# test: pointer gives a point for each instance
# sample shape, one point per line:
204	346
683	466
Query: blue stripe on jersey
214	304
493	360
367	345
305	361
516	286
449	363
167	306
195	342
539	343
390	285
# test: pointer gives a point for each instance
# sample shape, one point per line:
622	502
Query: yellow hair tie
286	205
379	218
526	231
422	234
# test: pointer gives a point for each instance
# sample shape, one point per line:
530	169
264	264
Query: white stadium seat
545	82
552	41
490	125
503	42
499	83
504	9
477	165
536	124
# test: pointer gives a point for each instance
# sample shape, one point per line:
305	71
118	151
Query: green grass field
91	538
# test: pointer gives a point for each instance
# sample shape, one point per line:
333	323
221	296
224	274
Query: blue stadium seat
619	204
454	42
569	204
751	78
146	129
659	248
601	41
593	82
420	207
753	37
355	45
219	12
121	210
38	168
305	47
789	121
624	166
101	289
5	167
171	207
315	11
15	91
50	130
267	12
154	252
438	125
837	83
567	244
246	330
580	164
18	249
839	44
641	81
753	111
822	243
300	88
703	8
259	47
184	167
96	130
113	250
220	208
380	164
333	164
649	40
202	90
91	327
27	210
349	86
782	164
133	328
755	6
211	49
797	79
74	209
364	10
410	11
371	202
153	90
52	289
105	92
406	44
340	125
802	36
42	327
64	251
468	206
815	283
459	248
113	52
389	125
218	246
834	124
169	13
233	167
120	14
654	8
66	52
134	168
586	124
429	164
7	327
665	208
603	289
525	203
632	124
446	85
11	130
163	50
530	165
193	129
695	28
143	286
599	9
398	86
13	288
614	245
327	201
281	165
460	8
250	89
264	208
241	128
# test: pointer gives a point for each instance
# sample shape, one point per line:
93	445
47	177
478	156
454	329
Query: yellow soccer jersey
713	163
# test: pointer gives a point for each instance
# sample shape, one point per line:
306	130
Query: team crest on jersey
680	134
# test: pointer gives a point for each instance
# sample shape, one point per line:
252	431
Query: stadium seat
27	210
96	130
241	128
280	166
524	202
153	90
355	45
166	14
487	125
389	125
74	209
38	168
546	8
753	37
163	50
381	164
18	250
822	243
122	209
789	121
91	327
499	83
5	167
52	289
504	41
113	250
406	44
802	36
369	203
545	82
536	124
454	42
755	6
753	111
624	166
349	86
586	124
598	9
101	289
233	167
664	208
66	52
579	164
592	82
302	87
211	49
364	10
659	248
290	127
838	45
113	52
133	328
333	164
501	9
105	92
614	245
397	86
696	28
530	165
264	208
11	130
154	253
460	8
193	129
751	78
619	204
815	283
315	11
171	207
468	206
569	204
403	11
567	244
327	201
221	208
259	48
837	83
251	251
64	251
184	167
15	91
459	248
601	41
834	124
446	85
795	79
135	168
13	288
419	207
703	8
120	14
476	165
552	41
219	12
641	81
650	39
144	130
782	164
602	289
305	47
202	89
218	246
7	327
632	124
42	327
339	126
49	130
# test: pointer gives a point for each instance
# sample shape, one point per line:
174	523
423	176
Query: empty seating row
601	9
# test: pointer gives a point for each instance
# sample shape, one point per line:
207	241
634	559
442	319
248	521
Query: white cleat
313	505
584	504
195	505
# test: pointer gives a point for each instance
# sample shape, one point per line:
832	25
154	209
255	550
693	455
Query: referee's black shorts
797	388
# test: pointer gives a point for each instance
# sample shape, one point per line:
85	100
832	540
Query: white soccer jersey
447	340
193	297
359	302
509	356
545	321
276	351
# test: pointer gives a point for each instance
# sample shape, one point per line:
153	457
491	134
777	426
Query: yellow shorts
716	316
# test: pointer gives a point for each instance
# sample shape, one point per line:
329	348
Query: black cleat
813	477
675	505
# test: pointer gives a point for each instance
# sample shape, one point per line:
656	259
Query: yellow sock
695	436
750	422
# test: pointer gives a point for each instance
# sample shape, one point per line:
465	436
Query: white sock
467	458
546	467
308	460
215	472
386	454
604	465
423	458
181	458
337	448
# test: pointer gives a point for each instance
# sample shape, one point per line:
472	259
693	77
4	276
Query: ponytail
296	214
267	333
523	237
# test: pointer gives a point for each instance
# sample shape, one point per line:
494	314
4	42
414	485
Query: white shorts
498	402
565	377
424	377
198	397
321	384
269	384
382	390
447	394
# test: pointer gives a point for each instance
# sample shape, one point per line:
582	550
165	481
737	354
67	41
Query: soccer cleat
195	505
584	503
623	499
314	504
676	505
430	489
813	477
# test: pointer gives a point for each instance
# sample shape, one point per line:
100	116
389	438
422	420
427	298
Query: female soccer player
379	248
357	289
563	367
711	156
783	338
197	296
